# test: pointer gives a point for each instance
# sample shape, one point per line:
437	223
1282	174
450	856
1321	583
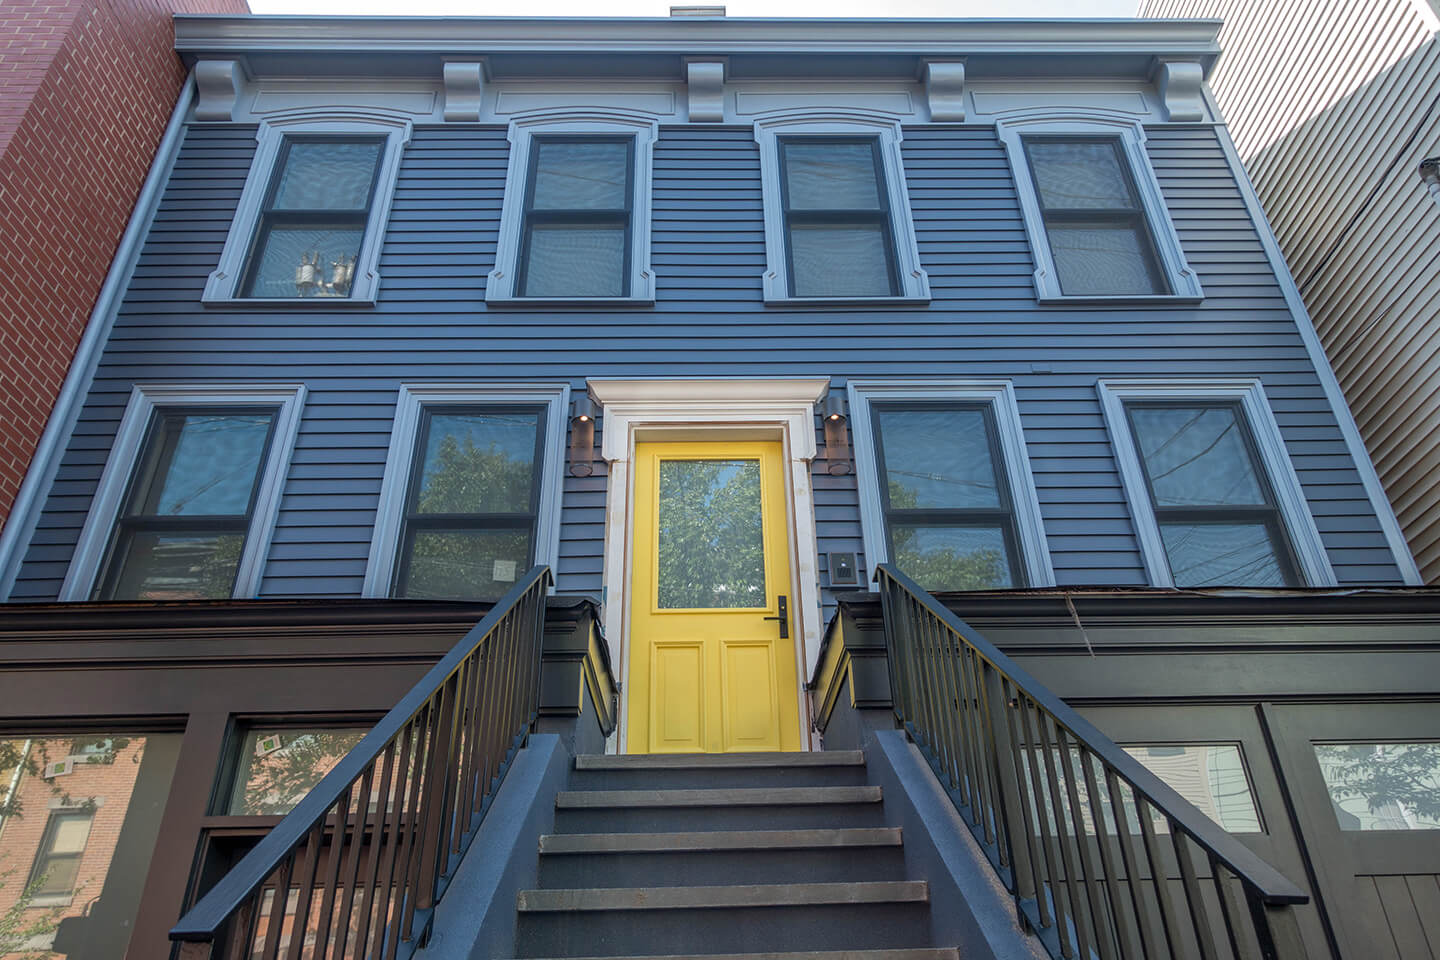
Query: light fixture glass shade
837	436
582	437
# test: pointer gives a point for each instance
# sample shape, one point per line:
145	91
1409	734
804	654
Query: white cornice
204	34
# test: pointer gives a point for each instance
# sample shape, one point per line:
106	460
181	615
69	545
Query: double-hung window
945	486
56	870
575	222
189	496
838	239
1094	214
837	217
312	214
1214	498
470	498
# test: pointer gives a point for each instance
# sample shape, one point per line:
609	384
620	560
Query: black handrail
1070	821
425	775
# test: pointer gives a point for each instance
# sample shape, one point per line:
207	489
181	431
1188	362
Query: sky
734	8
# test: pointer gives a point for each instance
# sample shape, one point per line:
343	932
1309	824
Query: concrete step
922	953
744	808
691	770
736	895
720	857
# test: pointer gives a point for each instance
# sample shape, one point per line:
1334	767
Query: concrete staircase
724	857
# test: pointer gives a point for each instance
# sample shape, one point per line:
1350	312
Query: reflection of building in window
1382	786
1210	776
79	817
276	768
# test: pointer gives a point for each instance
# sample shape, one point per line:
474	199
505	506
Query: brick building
86	88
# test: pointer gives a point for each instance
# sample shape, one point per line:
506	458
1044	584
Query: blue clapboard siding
432	324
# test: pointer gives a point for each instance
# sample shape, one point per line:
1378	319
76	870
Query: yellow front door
709	669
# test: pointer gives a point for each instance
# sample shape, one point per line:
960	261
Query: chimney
697	11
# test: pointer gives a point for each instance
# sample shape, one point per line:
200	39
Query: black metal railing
1103	859
355	870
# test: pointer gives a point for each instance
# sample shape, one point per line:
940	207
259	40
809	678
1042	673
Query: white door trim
688	410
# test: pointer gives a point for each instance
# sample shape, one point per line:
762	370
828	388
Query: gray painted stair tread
736	797
719	840
923	953
719	761
739	895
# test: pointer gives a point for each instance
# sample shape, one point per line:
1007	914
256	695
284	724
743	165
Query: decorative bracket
705	81
1180	83
945	89
464	87
218	84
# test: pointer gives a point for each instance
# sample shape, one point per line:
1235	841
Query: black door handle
784	618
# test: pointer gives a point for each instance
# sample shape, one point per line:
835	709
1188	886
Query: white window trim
914	282
1311	559
390	516
145	399
223	286
1184	283
1000	394
500	283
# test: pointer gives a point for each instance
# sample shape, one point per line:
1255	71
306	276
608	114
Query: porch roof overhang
657	48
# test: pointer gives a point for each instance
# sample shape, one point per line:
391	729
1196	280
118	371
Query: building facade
1357	226
713	317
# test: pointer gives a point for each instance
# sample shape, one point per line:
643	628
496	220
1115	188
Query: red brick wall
86	89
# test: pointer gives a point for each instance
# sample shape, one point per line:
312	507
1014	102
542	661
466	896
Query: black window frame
269	218
1268	514
530	217
412	521
952	516
838	216
1134	215
150	466
44	856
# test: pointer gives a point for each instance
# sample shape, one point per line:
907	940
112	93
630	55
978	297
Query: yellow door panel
678	716
711	560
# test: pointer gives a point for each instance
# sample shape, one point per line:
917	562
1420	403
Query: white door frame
699	410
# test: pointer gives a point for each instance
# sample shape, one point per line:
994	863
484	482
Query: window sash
618	217
1131	214
877	217
415	522
147	484
1267	513
1002	516
46	857
271	218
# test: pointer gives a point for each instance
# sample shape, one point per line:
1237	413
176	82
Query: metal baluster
377	846
332	871
352	872
305	892
969	733
929	688
1199	916
437	783
1131	856
1120	921
412	851
1098	926
1243	944
1050	890
1067	856
894	641
1027	881
985	761
277	910
470	788
396	868
1169	920
455	790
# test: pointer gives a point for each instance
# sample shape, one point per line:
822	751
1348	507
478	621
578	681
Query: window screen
1094	221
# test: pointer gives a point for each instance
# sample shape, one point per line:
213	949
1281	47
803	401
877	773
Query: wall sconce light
837	438
1430	176
582	437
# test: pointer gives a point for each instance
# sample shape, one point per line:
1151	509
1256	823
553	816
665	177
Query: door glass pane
296	261
1382	786
575	262
478	463
212	465
1222	555
1104	258
1076	174
580	176
937	458
1211	776
846	260
278	767
177	566
831	176
711	542
327	176
1196	456
465	564
952	558
79	823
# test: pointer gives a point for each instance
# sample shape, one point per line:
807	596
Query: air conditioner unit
59	768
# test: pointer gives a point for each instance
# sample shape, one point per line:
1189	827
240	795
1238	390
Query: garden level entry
712	656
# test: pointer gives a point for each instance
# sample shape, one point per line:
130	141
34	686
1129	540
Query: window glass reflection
1382	786
277	768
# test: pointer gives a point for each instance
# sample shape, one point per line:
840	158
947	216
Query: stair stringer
970	907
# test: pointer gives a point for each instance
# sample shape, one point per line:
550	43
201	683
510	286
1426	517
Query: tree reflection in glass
711	544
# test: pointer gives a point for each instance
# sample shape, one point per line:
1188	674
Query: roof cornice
199	34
